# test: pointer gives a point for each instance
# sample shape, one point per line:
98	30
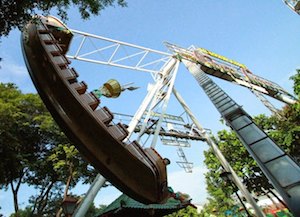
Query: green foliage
67	161
20	137
33	150
296	79
55	205
189	211
93	210
219	191
22	142
22	213
14	14
286	130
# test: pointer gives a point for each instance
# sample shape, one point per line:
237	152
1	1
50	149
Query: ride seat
70	74
118	131
90	99
104	115
80	87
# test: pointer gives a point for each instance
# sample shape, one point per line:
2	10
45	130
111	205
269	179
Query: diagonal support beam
219	155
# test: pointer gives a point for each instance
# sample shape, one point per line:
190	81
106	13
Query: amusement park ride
293	4
109	146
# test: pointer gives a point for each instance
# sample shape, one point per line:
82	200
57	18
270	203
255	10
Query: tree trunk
68	181
35	205
15	197
15	191
58	213
44	200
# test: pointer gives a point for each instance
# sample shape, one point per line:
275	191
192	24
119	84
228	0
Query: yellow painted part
210	53
111	88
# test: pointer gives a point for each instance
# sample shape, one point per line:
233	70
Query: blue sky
263	35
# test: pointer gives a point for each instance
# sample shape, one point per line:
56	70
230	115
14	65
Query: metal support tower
158	94
90	196
161	65
280	169
220	156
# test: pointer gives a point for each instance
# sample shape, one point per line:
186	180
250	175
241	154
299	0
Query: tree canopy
189	211
14	13
34	151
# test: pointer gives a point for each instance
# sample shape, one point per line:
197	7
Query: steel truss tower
280	169
220	157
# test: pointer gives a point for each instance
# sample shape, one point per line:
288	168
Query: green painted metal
125	202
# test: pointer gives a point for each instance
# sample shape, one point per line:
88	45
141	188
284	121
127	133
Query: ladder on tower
174	132
183	163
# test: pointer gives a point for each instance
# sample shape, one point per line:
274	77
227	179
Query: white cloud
190	183
17	73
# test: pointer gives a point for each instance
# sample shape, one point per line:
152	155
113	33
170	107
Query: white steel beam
101	50
165	103
148	102
88	199
219	155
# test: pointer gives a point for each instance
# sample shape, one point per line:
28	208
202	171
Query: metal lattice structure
211	64
232	71
280	169
293	5
101	50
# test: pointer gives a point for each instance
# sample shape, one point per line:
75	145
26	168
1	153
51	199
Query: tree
69	166
33	150
296	80
14	13
27	212
22	213
242	163
20	139
189	211
61	167
287	130
93	210
220	193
